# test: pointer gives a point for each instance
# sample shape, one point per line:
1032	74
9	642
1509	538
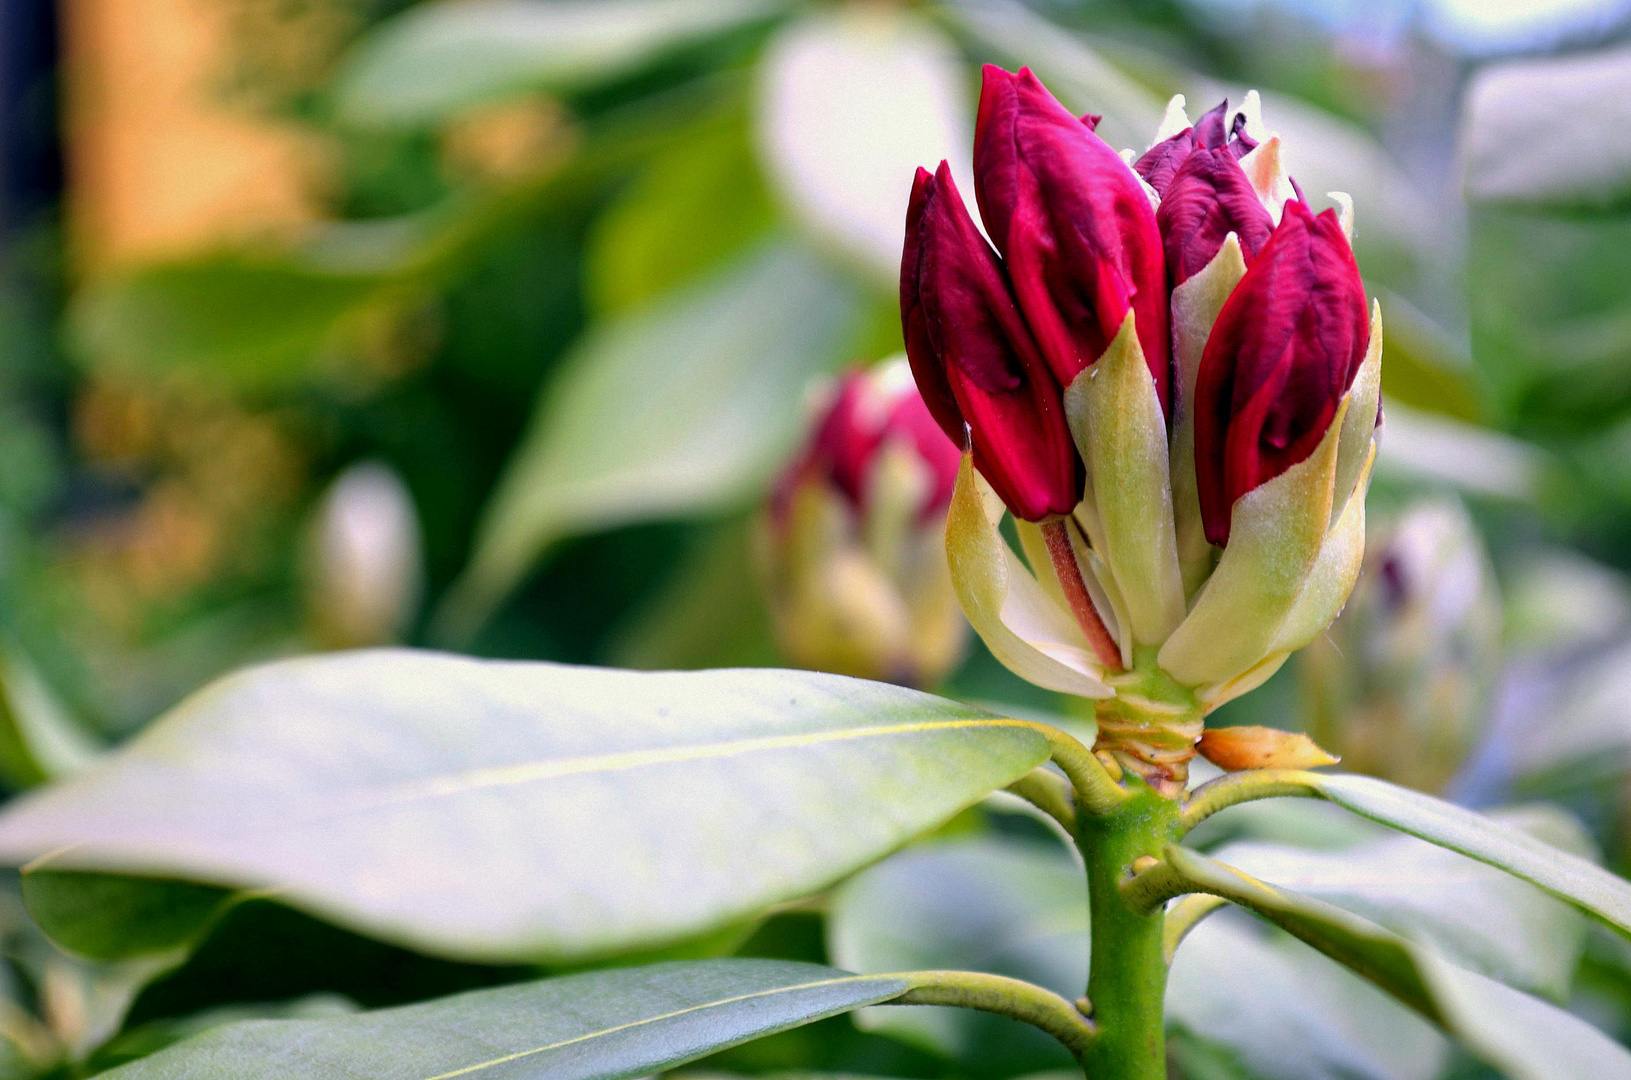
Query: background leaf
686	406
604	1025
108	917
509	811
435	59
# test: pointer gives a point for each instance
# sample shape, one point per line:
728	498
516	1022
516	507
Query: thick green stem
1128	978
1007	997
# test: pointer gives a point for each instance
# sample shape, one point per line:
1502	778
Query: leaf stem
1095	790
1014	998
1049	793
1246	786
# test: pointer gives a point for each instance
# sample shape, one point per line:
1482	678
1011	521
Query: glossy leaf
1525	1036
111	917
1483	918
686	406
1564	875
426	64
523	811
850	104
599	1025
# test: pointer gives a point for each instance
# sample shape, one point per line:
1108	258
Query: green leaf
239	319
982	905
1564	875
435	59
1480	916
600	1025
108	917
39	739
1528	1037
686	406
1523	1037
1275	1009
523	811
698	203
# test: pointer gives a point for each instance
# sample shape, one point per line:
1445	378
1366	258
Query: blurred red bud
974	359
1074	227
869	413
1282	354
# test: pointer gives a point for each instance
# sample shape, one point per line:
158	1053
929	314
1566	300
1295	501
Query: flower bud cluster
851	544
1163	367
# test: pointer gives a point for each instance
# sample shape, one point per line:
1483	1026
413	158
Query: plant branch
1049	793
1246	786
999	994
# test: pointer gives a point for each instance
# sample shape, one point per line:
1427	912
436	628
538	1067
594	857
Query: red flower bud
1073	225
976	362
1282	354
867	414
1162	161
1208	198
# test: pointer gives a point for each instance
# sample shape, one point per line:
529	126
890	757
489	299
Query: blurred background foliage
487	324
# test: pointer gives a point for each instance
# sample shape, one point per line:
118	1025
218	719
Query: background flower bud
1283	352
852	543
1400	685
1072	223
975	361
365	567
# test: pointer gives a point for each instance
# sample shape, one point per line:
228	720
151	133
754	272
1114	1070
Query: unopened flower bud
1400	685
1281	357
1074	227
366	571
855	573
975	360
1218	521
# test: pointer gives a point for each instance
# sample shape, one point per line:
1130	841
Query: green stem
1246	786
1015	998
1128	977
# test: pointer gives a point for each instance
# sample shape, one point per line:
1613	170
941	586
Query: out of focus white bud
366	570
1400	685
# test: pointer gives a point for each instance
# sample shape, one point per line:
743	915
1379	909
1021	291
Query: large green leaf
1528	1038
685	406
599	1025
1283	1012
1561	873
502	811
982	905
426	64
111	917
1485	918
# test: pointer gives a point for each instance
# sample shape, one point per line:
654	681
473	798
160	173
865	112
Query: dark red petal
1074	225
1285	349
1209	129
1208	199
965	333
926	369
1161	161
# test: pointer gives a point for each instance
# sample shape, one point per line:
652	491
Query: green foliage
601	1025
109	917
410	827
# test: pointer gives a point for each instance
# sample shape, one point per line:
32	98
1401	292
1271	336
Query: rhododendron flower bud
1221	386
975	360
1208	198
851	544
1073	224
1282	355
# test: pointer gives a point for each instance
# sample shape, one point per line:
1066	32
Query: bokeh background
488	324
